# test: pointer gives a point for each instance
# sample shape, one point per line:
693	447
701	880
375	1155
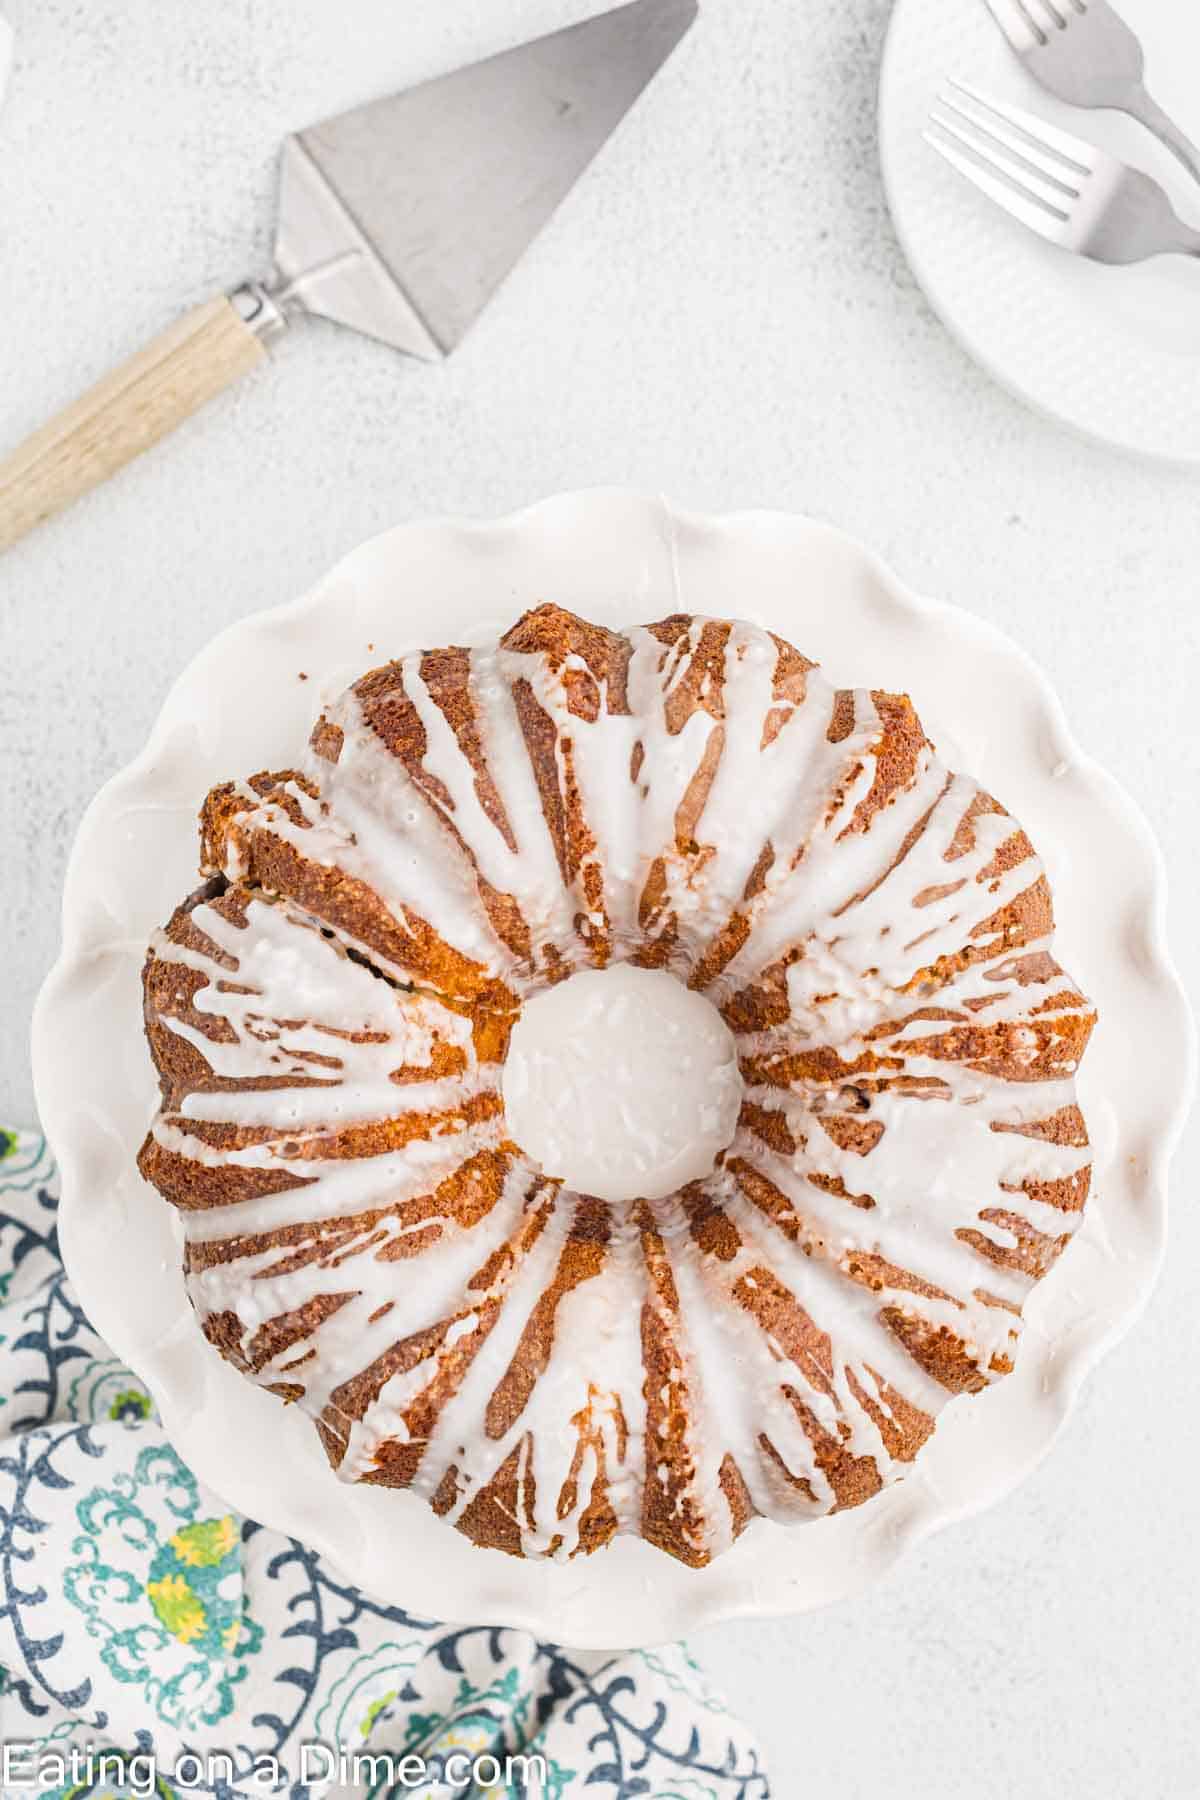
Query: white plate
1114	353
618	558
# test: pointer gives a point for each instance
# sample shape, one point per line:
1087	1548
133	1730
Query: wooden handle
124	414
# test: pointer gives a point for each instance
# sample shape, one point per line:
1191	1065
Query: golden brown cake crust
329	1016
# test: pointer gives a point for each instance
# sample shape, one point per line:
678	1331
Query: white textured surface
1113	352
721	312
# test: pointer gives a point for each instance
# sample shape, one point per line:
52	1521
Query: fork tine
1032	213
1036	12
986	147
995	160
1083	157
1055	11
1064	180
1018	24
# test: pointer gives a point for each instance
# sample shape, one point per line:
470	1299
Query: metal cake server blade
401	218
398	219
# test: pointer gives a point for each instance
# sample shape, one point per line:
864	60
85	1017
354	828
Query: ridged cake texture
329	1016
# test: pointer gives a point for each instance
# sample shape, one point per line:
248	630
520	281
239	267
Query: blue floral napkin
153	1643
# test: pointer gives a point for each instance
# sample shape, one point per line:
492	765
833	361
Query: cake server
399	219
1083	52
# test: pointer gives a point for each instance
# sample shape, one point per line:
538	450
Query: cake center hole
622	1082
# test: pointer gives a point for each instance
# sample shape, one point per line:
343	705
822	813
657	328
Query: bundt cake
329	1015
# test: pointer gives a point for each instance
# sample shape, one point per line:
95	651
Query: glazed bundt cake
330	1015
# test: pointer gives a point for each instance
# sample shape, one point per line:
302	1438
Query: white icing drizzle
388	1256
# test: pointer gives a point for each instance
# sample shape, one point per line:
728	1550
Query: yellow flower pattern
205	1543
177	1606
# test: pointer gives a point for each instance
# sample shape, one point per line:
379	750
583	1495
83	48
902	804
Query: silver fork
1061	187
1085	53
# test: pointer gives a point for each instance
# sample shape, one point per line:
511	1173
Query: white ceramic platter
242	706
1114	353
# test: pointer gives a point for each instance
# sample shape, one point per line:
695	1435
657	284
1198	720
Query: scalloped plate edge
620	1597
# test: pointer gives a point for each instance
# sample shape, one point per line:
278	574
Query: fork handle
1146	109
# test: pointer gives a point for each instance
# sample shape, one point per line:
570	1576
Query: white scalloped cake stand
618	558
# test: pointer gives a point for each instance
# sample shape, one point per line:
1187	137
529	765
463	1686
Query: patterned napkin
140	1619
